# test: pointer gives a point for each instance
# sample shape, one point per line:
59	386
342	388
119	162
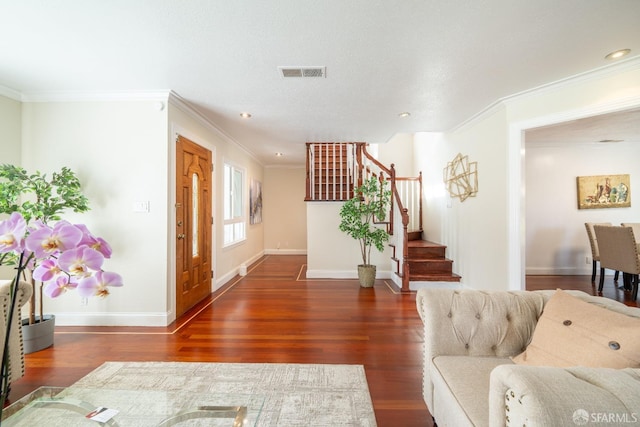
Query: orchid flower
12	233
97	284
57	287
46	241
80	261
64	257
97	243
47	270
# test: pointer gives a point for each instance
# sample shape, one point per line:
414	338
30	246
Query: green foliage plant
38	198
359	215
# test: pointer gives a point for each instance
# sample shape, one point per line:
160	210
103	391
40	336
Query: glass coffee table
68	407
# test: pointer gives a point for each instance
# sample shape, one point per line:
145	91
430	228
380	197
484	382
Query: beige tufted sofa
470	380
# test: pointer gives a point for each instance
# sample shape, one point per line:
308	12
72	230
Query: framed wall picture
604	191
255	202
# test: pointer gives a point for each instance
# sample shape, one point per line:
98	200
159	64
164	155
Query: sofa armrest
16	350
475	323
542	396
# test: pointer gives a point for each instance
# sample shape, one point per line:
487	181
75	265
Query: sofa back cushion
477	323
574	332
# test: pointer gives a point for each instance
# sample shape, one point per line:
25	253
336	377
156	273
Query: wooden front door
193	224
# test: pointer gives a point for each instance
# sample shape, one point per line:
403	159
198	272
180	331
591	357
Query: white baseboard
414	286
561	271
344	274
222	280
285	251
112	319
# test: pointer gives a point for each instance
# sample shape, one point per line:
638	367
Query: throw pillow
573	332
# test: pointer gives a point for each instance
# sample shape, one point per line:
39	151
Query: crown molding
107	96
10	93
83	96
592	75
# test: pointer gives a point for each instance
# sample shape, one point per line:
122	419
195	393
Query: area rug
290	394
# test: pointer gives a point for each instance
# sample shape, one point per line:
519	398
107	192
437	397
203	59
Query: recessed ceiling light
279	154
404	114
618	54
245	115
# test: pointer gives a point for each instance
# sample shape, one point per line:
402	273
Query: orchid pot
38	335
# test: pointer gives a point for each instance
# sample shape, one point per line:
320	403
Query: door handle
181	236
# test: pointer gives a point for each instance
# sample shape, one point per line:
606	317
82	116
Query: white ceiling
442	61
622	126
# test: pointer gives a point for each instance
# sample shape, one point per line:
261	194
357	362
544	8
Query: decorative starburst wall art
461	177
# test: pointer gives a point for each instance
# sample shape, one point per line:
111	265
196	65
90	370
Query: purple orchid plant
64	257
61	257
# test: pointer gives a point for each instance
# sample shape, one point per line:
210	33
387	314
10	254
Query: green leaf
357	216
36	197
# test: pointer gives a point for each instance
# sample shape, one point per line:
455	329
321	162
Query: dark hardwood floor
610	289
276	315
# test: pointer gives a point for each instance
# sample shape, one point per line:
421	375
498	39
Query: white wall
284	211
399	151
485	235
10	142
123	152
119	151
430	155
332	253
10	130
474	230
556	239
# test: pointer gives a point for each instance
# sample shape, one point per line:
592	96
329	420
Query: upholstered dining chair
595	253
618	251
635	226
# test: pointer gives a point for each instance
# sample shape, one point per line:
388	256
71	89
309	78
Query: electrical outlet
588	260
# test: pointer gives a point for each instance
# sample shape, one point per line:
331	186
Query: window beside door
234	212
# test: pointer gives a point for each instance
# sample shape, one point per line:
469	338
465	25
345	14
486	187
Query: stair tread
425	244
435	277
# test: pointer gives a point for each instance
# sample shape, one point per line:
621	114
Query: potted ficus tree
59	256
358	217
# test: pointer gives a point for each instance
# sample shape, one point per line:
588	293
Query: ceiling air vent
303	71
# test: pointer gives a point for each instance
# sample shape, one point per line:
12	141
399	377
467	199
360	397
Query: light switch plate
141	206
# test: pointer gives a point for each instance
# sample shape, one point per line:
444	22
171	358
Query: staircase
335	169
427	261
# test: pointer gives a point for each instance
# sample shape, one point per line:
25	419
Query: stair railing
410	192
327	179
370	166
401	239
